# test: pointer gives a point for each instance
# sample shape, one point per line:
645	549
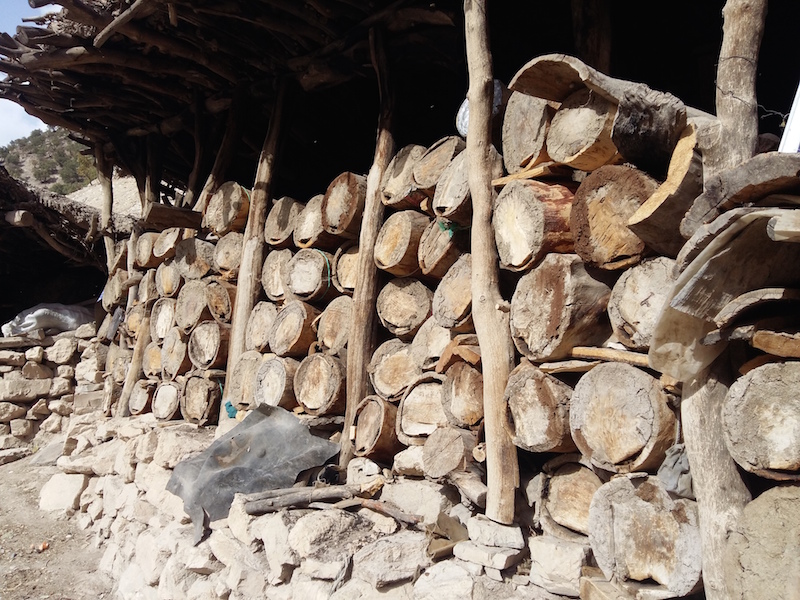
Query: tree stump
275	382
319	385
227	209
279	226
403	305
397	245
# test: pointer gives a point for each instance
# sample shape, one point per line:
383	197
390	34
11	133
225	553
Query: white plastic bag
48	316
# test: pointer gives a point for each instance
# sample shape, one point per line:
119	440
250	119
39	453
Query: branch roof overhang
116	71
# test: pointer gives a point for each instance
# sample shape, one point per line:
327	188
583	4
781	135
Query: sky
15	123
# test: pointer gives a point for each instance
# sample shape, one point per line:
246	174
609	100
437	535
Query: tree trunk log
334	324
761	424
227	209
292	333
308	231
279	227
228	255
167	241
451	200
142	396
462	395
429	342
166	403
220	298
599	220
135	369
420	411
199	402
397	245
320	385
151	361
242	381
452	300
447	449
538	408
272	274
191	307
208	345
174	357
162	319
440	246
275	382
636	300
259	326
343	205
525	124
168	279
308	276
557	306
398	187
621	420
570	487
392	369
148	291
134	318
144	250
376	437
194	258
636	529
531	219
432	164
345	268
403	305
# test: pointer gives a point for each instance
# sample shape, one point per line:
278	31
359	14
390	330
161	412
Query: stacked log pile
594	204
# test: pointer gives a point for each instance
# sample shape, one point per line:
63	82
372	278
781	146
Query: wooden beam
253	246
105	171
137	10
489	311
362	340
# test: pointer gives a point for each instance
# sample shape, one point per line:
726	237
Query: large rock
175	581
61	386
61	351
444	580
176	444
273	530
329	533
240	523
420	497
34	370
488	556
150	556
9	411
24	390
132	586
35	354
392	559
62	492
556	564
358	589
483	530
12	358
22	428
232	553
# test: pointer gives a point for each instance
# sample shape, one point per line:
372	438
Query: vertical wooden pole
361	343
253	247
489	311
591	32
192	184
155	164
105	171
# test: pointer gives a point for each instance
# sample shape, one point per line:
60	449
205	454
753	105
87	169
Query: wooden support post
361	343
194	177
489	310
591	33
155	155
253	245
105	171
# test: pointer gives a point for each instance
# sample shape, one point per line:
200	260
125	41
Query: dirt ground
67	569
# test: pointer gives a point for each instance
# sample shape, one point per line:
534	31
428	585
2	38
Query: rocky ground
43	555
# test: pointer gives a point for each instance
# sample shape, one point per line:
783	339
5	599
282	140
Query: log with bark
604	202
142	396
227	209
403	305
148	291
538	408
292	332
393	368
259	326
462	395
208	345
164	247
376	437
531	219
191	306
525	124
636	300
308	276
451	200
429	342
343	205
334	324
420	411
761	421
307	230
397	245
621	419
639	532
220	298
174	354
345	268
145	258
557	306
452	300
319	385
398	187
440	246
194	258
279	227
272	274
151	361
275	382
115	290
447	449
168	279
199	402
134	319
242	381
228	255
166	403
437	157
569	486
